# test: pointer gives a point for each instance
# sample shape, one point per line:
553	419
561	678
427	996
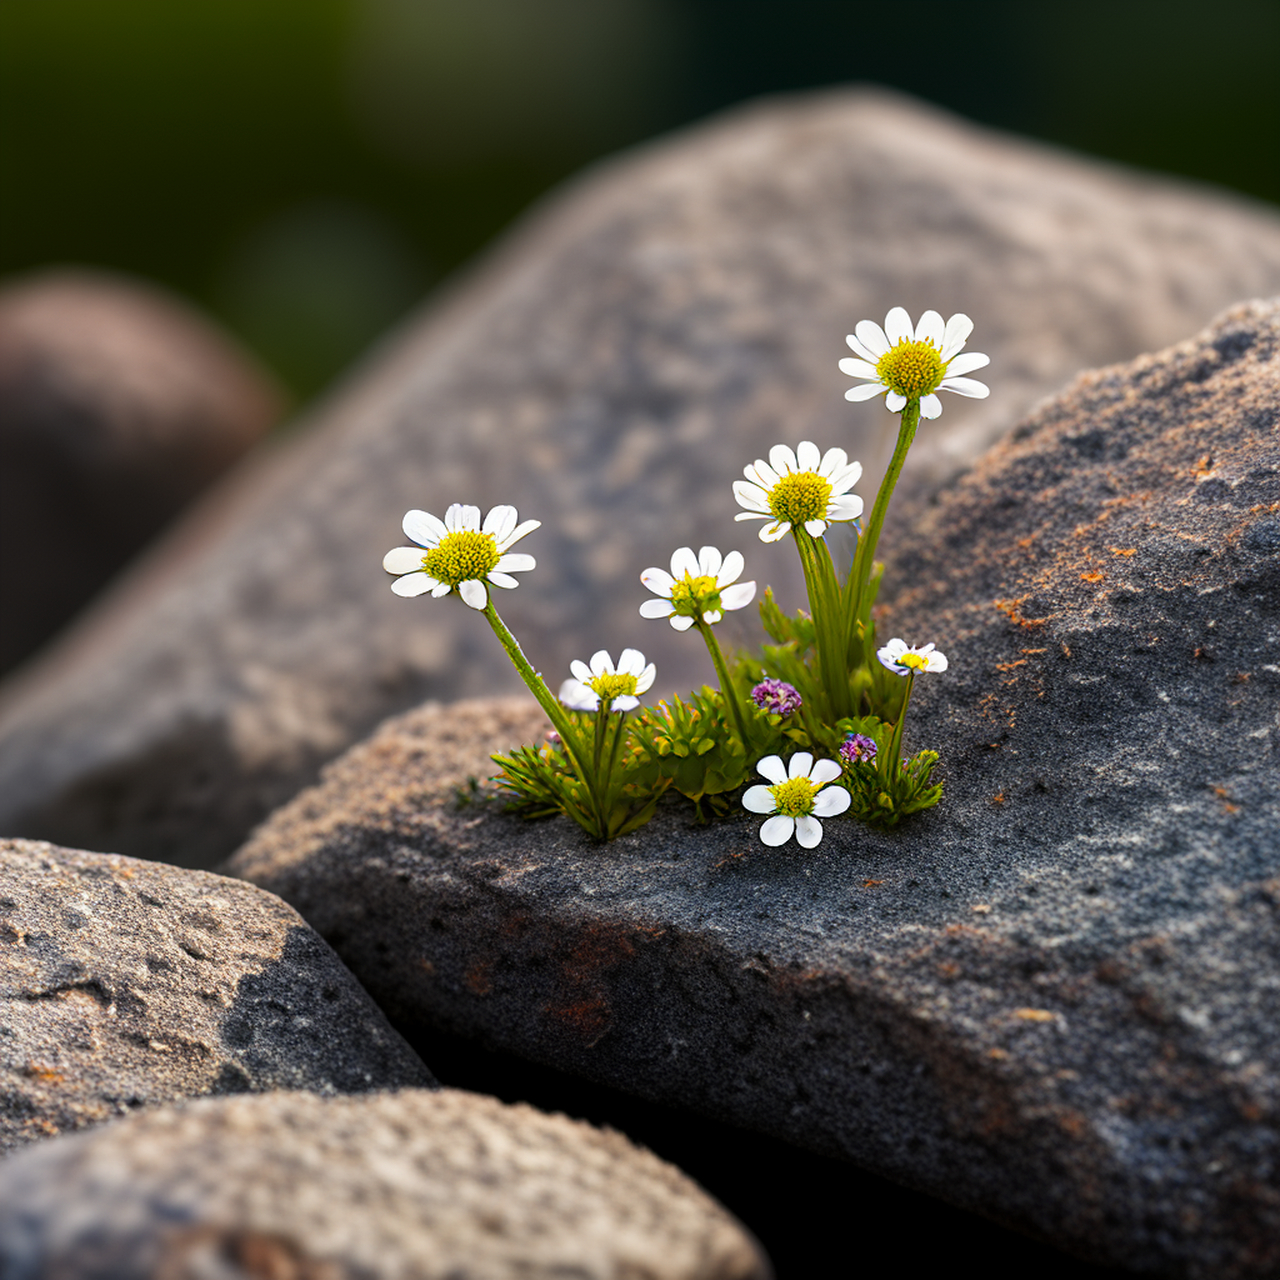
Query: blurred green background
308	169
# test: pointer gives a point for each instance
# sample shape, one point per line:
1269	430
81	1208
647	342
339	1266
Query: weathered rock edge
428	1185
1053	999
127	984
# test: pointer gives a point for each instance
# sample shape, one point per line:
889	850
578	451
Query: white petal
937	662
758	799
771	767
895	402
761	473
751	496
815	528
858	368
860	349
474	592
624	702
459	517
846	477
439	589
515	563
601	663
423	528
630	662
684	563
657	609
644	681
866	391
777	830
502	579
897	326
772	532
753	515
413	584
403	560
808	456
782	459
730	569
808	831
709	561
712	616
931	329
967	363
520	531
831	801
957	332
738	596
846	507
577	697
872	337
499	522
833	462
967	387
800	764
580	670
824	771
893	650
930	406
660	582
681	621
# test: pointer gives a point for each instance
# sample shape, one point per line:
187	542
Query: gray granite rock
609	372
424	1185
125	984
1055	999
118	404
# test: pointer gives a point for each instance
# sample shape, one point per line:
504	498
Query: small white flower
460	554
903	660
603	680
800	488
798	798
907	362
701	586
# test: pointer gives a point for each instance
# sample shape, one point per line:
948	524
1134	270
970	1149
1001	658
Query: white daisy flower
908	362
802	488
602	679
798	798
904	660
460	554
702	586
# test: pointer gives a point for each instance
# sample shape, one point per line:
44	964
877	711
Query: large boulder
428	1185
609	372
118	405
1053	999
127	984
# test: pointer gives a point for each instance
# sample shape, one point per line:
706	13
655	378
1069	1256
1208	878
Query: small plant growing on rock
823	684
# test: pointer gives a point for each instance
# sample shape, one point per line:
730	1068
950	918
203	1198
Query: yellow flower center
799	497
794	798
462	556
911	369
693	597
914	661
614	686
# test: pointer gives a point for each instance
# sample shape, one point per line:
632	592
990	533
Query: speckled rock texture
118	404
403	1186
1055	999
124	984
609	371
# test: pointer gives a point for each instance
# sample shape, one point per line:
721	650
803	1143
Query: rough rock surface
428	1185
610	372
1054	999
125	984
118	404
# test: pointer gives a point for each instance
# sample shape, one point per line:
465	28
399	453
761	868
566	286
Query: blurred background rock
307	169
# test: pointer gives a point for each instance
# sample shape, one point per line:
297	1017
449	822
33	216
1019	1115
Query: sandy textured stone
609	372
404	1186
125	984
1055	998
118	404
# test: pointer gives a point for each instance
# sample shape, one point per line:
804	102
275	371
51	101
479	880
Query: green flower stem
864	558
824	605
895	742
727	688
547	701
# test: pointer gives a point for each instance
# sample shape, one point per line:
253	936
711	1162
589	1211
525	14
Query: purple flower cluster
857	748
776	697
